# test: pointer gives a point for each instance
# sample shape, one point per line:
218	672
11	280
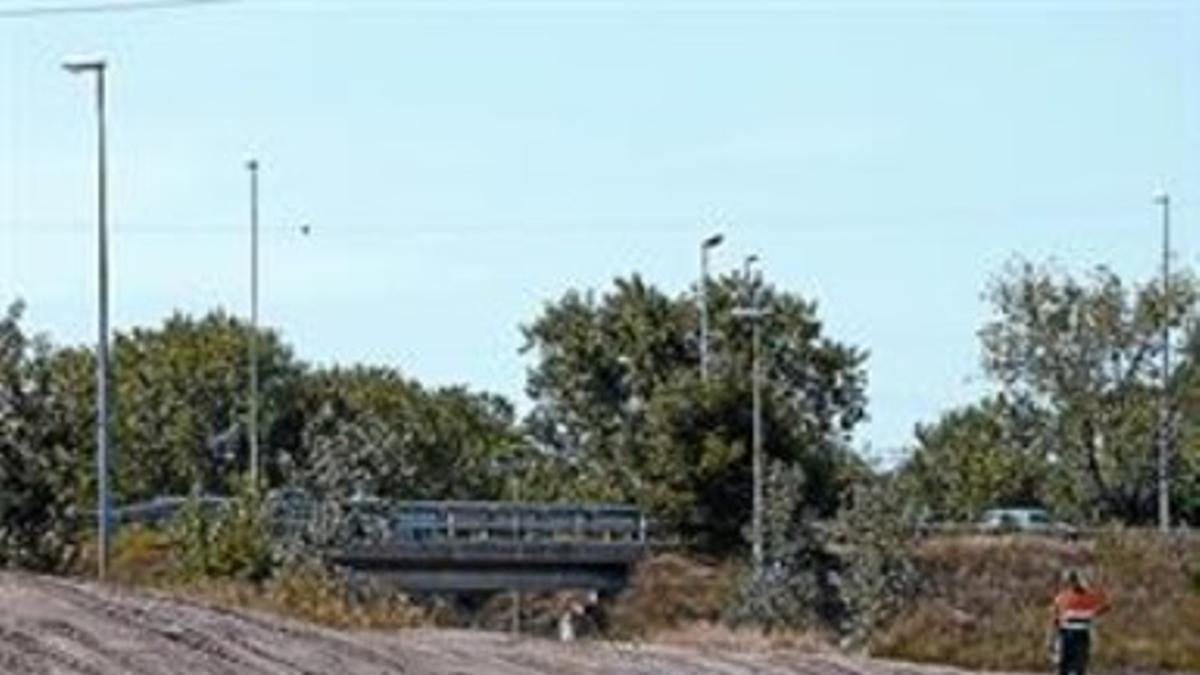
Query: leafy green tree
181	400
988	454
40	468
1086	353
1185	464
370	431
619	409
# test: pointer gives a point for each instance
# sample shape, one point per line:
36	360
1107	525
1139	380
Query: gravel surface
52	625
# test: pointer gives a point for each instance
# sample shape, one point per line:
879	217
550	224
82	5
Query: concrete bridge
496	546
455	546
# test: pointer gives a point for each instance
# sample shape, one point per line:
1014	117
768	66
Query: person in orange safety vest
1075	609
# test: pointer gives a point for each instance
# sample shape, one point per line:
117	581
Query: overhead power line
31	12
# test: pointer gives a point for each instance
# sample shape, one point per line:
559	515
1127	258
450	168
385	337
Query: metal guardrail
428	521
462	521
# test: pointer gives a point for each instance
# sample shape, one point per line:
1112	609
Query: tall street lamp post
755	315
748	268
97	67
252	425
1163	200
705	246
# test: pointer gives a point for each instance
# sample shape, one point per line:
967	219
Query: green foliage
977	457
181	394
1086	352
38	467
850	575
232	543
797	588
879	574
1075	423
370	431
181	400
620	412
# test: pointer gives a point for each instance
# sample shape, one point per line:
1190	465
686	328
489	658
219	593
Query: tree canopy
1075	420
619	405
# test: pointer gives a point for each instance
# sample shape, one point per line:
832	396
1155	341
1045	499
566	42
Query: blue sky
461	163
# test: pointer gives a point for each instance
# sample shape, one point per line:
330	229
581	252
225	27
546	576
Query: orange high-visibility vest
1075	610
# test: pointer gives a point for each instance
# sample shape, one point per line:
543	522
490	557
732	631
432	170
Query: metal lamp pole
705	246
252	166
104	505
755	316
747	268
1163	199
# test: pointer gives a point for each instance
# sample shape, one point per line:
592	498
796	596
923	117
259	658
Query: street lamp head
81	65
713	241
1162	197
751	313
252	164
751	259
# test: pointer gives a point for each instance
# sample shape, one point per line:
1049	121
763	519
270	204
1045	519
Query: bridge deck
455	546
494	566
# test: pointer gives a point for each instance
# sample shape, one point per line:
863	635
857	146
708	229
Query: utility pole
1163	199
755	315
705	246
252	424
104	501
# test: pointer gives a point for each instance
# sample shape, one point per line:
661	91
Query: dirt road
50	625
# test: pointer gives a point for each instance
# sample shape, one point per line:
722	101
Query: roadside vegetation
619	413
985	604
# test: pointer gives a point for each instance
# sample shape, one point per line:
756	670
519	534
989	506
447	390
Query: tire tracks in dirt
56	626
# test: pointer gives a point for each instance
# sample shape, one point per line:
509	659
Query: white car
1023	520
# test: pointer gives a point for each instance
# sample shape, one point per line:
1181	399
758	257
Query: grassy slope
986	604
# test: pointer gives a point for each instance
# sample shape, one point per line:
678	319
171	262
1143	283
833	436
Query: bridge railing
408	522
515	522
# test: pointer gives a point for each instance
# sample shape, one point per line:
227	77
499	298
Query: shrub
39	483
314	593
849	576
879	572
796	587
231	544
669	592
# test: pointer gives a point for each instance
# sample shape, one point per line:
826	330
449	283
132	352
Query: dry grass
986	603
310	594
677	601
145	557
139	556
723	638
668	593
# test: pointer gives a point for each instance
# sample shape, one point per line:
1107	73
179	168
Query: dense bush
848	576
39	477
230	544
797	588
669	592
879	578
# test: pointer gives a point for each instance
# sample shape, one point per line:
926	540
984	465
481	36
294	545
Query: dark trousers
1073	648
